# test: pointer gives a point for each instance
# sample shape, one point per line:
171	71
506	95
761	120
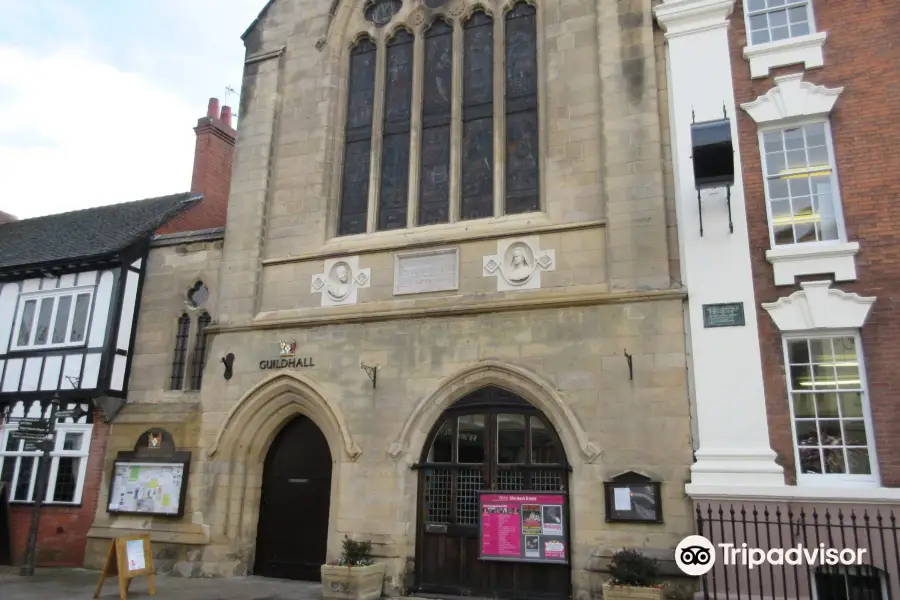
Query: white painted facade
66	333
733	449
734	459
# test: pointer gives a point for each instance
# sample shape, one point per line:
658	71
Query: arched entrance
292	534
490	439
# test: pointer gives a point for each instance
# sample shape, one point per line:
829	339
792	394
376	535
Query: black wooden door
293	511
491	439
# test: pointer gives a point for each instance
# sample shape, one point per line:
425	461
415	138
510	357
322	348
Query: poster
523	526
134	552
152	488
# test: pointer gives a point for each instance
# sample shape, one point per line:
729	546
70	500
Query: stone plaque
730	314
426	271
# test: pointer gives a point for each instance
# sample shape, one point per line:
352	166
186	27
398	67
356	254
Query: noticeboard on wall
147	488
151	480
523	527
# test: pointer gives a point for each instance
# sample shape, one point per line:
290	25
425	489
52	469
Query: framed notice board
523	526
151	480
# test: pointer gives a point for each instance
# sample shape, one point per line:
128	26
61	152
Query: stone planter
626	592
352	583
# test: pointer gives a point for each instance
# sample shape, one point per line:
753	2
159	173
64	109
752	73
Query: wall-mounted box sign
633	497
152	479
287	359
729	314
524	527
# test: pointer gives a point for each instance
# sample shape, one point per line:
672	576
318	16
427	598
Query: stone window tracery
441	121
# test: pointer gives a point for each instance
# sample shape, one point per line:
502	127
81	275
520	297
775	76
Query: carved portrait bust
520	263
339	285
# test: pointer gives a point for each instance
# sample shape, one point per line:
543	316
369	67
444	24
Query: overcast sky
98	98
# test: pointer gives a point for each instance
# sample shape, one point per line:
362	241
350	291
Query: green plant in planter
355	554
631	568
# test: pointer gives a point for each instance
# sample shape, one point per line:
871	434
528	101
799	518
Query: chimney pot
226	115
213	110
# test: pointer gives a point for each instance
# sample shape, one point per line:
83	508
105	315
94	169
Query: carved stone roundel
381	12
339	281
518	263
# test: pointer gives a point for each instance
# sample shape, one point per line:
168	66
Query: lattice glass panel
547	481
437	496
468	482
510	480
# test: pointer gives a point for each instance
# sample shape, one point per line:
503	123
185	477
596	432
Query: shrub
630	567
356	554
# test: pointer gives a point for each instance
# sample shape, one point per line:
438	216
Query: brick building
171	343
157	235
804	236
70	287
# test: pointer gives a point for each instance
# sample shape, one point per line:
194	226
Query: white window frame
833	479
61	430
38	297
845	571
809	11
803	49
836	196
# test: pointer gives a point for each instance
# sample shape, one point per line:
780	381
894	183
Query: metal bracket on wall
728	200
630	367
372	372
700	210
228	361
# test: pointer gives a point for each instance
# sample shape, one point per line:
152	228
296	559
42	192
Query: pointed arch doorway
489	439
292	534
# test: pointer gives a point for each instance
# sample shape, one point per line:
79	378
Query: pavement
80	584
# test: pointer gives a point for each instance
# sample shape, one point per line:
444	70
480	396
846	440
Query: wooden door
293	512
491	439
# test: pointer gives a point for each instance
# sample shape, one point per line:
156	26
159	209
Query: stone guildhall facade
449	264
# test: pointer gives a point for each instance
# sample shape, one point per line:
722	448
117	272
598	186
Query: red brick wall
213	158
861	54
63	529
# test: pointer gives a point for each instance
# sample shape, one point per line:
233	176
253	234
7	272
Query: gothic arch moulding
255	419
516	379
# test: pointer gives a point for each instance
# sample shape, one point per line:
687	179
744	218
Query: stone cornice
683	17
452	306
445	234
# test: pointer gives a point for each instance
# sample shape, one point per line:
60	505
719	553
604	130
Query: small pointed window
199	359
179	355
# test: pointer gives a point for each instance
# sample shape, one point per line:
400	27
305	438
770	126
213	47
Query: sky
98	98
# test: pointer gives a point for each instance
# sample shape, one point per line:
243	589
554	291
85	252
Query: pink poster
523	526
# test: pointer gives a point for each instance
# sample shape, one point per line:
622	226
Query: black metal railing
867	536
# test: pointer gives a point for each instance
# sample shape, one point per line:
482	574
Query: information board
147	488
127	558
523	526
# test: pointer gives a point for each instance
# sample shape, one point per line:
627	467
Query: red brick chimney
213	157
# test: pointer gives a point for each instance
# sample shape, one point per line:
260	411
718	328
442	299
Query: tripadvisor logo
695	555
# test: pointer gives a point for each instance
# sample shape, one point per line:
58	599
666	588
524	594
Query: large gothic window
437	111
443	128
358	143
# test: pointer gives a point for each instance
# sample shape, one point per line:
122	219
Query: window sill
30	503
533	223
857	494
789	262
805	49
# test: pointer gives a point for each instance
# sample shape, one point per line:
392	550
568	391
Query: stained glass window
394	181
521	111
358	141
